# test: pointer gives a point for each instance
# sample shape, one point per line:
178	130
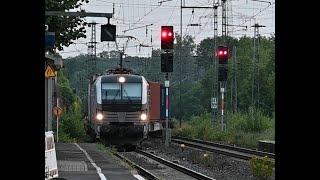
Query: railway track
154	171
142	171
233	151
175	166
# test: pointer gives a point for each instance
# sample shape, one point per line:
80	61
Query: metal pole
258	69
50	104
222	105
216	85
121	54
79	14
46	105
167	110
56	80
180	113
57	123
253	67
235	80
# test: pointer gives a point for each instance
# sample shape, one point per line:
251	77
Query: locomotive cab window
111	91
125	91
131	91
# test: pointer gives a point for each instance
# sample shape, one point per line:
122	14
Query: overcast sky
136	13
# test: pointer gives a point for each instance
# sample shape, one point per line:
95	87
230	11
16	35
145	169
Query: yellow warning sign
50	72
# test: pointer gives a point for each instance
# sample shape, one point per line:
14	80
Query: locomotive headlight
121	79
99	116
143	116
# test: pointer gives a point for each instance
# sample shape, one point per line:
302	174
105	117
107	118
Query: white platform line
137	176
101	175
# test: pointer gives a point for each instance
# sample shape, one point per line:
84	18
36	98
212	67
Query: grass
104	148
243	129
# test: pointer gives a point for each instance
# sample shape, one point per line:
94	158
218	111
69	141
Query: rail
175	166
234	151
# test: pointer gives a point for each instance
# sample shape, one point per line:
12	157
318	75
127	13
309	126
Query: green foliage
101	147
64	137
262	168
72	121
241	130
71	127
65	28
252	122
108	149
200	127
196	72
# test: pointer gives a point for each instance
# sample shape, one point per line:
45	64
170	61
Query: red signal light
167	37
222	54
164	34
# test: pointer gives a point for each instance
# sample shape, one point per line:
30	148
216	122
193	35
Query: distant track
233	151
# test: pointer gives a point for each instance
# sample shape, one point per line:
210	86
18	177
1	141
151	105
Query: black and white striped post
222	107
166	84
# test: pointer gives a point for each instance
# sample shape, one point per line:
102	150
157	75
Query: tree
71	120
196	86
65	28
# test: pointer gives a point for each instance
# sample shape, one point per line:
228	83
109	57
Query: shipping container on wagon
154	101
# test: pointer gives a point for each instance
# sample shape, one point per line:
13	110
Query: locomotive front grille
123	116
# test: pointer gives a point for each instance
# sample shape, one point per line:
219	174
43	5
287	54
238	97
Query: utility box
266	146
164	134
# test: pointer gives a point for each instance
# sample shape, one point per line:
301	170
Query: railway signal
167	62
167	37
223	54
223	73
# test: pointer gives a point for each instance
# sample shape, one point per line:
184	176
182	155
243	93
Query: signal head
167	37
222	54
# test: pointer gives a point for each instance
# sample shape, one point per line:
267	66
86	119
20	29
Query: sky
133	16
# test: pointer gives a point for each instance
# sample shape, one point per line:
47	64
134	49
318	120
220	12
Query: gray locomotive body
118	108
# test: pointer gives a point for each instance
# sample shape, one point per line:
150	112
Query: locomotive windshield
111	91
131	91
117	91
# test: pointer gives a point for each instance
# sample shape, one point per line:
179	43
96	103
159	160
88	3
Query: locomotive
124	107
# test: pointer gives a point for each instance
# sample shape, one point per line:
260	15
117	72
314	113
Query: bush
71	122
242	130
71	126
65	138
252	122
262	168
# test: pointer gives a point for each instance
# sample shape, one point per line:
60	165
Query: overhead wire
151	8
172	12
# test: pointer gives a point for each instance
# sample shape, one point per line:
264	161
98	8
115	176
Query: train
124	108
